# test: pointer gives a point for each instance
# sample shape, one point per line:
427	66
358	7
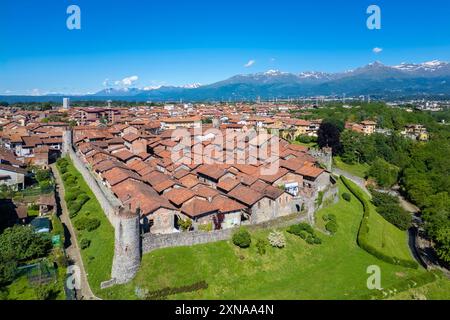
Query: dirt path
71	245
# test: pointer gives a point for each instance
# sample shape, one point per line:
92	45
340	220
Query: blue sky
177	42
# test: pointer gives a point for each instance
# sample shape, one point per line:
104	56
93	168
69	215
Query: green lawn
358	169
21	289
98	257
438	290
336	269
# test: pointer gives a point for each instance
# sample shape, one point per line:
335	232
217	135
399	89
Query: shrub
70	197
73	215
83	198
185	225
85	243
329	217
310	239
242	238
74	208
93	224
298	228
332	227
207	227
277	239
87	224
317	240
303	234
261	246
346	197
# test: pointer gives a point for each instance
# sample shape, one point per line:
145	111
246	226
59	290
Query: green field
382	235
438	290
98	257
336	269
22	289
358	169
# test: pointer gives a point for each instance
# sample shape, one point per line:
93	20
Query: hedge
364	230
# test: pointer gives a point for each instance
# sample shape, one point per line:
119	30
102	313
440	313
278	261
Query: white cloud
129	81
36	92
125	82
377	50
249	64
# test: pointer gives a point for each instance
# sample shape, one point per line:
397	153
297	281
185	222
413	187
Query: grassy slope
438	290
386	237
21	289
98	257
359	169
335	269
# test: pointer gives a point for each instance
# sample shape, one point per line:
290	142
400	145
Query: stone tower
67	142
127	248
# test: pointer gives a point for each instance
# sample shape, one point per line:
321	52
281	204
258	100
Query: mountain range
429	79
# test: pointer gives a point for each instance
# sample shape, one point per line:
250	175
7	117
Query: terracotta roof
204	191
246	195
310	171
228	184
124	155
189	180
211	171
130	137
197	207
140	195
178	196
117	175
225	205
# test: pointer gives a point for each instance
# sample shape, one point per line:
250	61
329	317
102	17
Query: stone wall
109	203
152	242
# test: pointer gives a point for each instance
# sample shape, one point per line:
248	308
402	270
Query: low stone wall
152	242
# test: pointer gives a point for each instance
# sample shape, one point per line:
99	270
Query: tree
21	243
329	136
384	173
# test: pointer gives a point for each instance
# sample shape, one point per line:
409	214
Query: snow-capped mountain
376	79
430	66
191	86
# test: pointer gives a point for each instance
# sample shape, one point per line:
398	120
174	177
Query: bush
317	240
74	208
298	228
329	217
331	227
207	227
303	234
346	197
277	239
63	170
185	225
242	238
261	246
85	243
70	197
83	198
87	224
73	215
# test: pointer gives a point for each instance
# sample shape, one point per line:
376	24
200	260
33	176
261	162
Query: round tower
127	248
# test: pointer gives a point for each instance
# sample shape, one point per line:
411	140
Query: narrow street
71	244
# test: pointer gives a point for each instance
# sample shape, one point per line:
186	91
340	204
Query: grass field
336	269
359	169
384	236
98	257
21	289
438	290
